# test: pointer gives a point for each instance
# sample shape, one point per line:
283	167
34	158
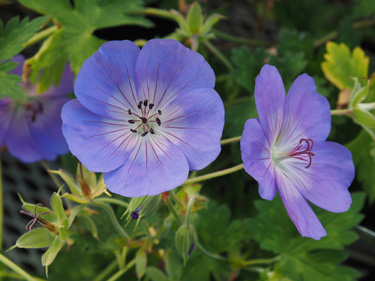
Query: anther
159	111
132	130
152	131
144	120
130	112
140	105
158	121
144	134
145	103
131	121
151	105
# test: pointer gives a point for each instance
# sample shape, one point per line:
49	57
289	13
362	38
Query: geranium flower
31	128
285	150
144	118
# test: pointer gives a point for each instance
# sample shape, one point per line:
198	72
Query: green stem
175	198
112	201
210	255
215	174
17	269
341	112
112	217
40	36
122	271
189	209
145	226
219	55
158	13
260	261
230	140
240	40
1	208
334	34
106	271
175	213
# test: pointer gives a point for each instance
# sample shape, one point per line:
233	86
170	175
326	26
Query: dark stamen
152	131
159	111
145	103
130	112
131	121
144	120
132	130
139	105
151	105
145	133
158	121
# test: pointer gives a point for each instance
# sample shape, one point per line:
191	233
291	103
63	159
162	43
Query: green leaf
38	238
75	40
364	8
340	66
173	264
15	33
9	84
363	150
216	219
302	258
292	41
57	206
140	263
364	118
156	274
247	66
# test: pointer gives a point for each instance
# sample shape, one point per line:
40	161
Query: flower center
145	120
302	152
33	110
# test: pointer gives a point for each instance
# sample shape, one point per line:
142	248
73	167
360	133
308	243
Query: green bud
134	204
364	118
57	206
210	22
70	181
194	18
359	93
49	256
186	239
37	238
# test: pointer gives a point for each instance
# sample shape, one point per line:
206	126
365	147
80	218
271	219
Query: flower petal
101	144
257	159
194	122
153	167
306	114
6	109
328	178
20	60
166	68
105	83
269	100
299	210
46	129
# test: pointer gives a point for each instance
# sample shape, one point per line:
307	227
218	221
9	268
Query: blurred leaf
74	41
156	274
292	41
340	66
348	35
173	265
215	230
364	8
200	267
15	33
363	150
302	258
140	263
248	65
237	115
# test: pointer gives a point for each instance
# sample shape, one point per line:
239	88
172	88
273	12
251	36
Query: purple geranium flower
285	150
144	118
31	128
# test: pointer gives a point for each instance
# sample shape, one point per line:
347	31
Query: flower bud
186	239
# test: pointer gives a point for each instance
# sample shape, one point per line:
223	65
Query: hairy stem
112	201
240	40
230	140
341	112
214	175
122	271
17	269
40	36
106	271
219	55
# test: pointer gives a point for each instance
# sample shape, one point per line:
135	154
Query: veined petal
306	113
6	109
154	166
269	100
101	144
299	210
194	123
257	158
46	129
327	180
105	84
166	69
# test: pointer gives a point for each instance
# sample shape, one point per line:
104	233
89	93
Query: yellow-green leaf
340	66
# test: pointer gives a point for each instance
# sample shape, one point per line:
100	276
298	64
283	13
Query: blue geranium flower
285	150
144	118
31	128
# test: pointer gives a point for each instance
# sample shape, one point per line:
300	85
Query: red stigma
303	148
